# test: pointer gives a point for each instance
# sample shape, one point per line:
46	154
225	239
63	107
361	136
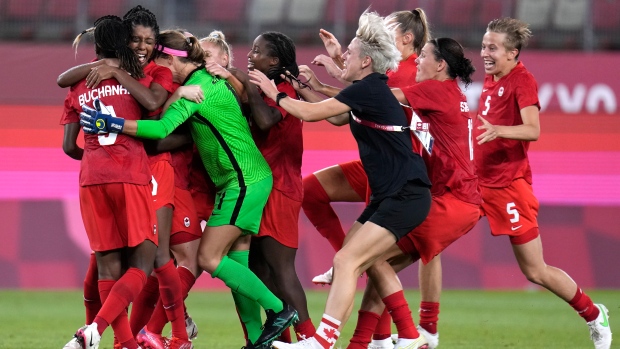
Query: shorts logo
154	229
186	222
501	91
515	228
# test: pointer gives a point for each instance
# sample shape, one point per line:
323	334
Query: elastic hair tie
416	12
171	51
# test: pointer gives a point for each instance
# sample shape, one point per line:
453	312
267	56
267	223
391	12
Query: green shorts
241	206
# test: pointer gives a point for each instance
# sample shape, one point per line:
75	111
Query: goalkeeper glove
99	119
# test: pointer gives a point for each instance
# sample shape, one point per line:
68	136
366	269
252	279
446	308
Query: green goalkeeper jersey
219	129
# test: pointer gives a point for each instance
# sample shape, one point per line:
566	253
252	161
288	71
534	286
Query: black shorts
400	212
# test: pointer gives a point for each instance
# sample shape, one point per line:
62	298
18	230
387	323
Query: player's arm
69	141
310	96
97	120
190	92
77	73
231	75
151	97
400	96
300	109
528	131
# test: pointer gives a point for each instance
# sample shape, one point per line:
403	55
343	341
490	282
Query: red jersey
162	76
199	179
110	157
443	105
282	147
501	161
405	74
182	162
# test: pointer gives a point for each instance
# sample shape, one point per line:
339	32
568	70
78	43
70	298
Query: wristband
279	97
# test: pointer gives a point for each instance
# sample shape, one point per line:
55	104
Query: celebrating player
508	120
397	177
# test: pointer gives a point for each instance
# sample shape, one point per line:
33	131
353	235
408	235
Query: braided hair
282	47
112	40
139	15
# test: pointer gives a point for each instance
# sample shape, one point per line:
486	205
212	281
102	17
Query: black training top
387	157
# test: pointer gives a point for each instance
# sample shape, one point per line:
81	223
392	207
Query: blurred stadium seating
557	24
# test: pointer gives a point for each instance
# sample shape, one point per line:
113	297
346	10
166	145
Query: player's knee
314	193
208	263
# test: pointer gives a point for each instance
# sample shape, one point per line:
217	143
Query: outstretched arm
73	75
300	109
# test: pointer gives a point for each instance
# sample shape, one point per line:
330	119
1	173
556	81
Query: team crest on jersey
501	91
186	222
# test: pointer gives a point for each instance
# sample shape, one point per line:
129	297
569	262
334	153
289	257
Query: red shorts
163	184
184	218
448	220
356	176
118	215
204	204
280	219
512	211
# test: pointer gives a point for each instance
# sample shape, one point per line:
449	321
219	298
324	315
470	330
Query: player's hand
99	119
332	46
330	66
98	74
490	131
216	69
192	92
261	80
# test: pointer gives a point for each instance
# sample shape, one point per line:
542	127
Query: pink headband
171	51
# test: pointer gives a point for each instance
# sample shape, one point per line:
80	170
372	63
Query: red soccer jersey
110	157
182	162
198	177
405	74
162	76
443	105
282	147
501	161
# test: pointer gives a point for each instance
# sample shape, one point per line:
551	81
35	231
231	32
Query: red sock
130	344
304	330
187	280
122	330
105	286
172	298
121	295
366	323
143	306
92	299
316	206
399	309
384	327
583	305
285	336
429	316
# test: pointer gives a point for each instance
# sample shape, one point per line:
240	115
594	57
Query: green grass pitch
468	319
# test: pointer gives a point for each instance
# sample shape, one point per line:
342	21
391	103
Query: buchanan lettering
103	91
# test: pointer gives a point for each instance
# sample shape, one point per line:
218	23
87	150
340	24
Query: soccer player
115	192
455	209
279	137
241	175
400	187
508	120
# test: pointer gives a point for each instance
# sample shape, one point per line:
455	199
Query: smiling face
353	63
142	43
259	58
214	53
498	61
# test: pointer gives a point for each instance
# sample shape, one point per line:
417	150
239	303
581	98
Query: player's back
110	157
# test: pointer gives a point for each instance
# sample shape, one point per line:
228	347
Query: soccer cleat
381	344
117	344
418	343
310	343
149	340
433	339
73	344
275	324
325	278
191	327
600	332
88	337
178	343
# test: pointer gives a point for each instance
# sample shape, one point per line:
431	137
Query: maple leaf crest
330	334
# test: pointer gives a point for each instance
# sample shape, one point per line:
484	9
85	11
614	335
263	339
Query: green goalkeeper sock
248	309
244	281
